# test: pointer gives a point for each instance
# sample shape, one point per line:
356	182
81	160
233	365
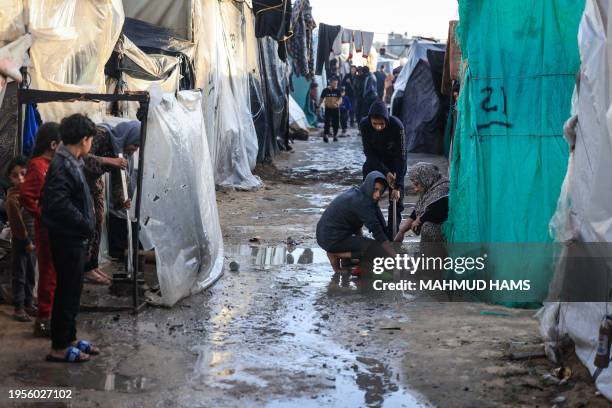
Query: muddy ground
283	331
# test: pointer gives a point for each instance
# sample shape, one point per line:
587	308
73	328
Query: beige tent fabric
73	39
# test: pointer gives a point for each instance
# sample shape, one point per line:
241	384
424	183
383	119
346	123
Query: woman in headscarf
431	209
108	143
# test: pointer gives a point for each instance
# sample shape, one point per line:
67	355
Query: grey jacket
351	210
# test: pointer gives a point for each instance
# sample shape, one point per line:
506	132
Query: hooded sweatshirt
386	150
351	210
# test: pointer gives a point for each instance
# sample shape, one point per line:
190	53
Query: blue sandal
87	347
73	355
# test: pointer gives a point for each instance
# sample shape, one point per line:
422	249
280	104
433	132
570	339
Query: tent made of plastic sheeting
276	91
161	45
72	40
188	244
509	156
220	33
584	213
417	100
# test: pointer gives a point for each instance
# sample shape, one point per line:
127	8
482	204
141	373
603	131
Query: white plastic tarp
418	51
297	117
584	212
12	20
221	70
73	40
13	56
178	172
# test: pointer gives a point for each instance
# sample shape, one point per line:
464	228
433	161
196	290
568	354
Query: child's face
17	175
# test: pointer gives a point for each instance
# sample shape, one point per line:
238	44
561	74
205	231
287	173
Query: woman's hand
117	162
127	204
404	227
416	225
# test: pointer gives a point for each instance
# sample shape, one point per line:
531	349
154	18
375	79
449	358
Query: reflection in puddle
279	255
81	377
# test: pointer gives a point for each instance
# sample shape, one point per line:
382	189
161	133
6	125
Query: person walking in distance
331	99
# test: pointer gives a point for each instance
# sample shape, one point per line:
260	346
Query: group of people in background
348	97
55	209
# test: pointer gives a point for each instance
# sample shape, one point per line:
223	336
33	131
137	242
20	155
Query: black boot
325	139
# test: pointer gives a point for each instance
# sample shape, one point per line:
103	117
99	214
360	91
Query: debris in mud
255	239
234	266
390	328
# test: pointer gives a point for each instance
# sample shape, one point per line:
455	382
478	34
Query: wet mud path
283	331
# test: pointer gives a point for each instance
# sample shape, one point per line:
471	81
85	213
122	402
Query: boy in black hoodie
384	146
67	212
339	228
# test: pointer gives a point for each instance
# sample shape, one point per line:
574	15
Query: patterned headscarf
435	185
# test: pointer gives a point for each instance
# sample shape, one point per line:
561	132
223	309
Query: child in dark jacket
68	214
22	249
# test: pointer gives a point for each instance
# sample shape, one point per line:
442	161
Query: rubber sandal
73	355
87	347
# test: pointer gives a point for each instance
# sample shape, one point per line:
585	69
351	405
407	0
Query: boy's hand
30	248
391	179
395	195
127	204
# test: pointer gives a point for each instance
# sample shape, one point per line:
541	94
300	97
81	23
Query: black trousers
69	262
344	117
332	119
353	113
368	167
23	281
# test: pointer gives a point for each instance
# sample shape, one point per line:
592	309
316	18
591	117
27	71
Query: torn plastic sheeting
221	63
188	243
583	212
276	85
72	42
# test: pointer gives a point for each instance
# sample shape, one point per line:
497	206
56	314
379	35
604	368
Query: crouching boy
339	229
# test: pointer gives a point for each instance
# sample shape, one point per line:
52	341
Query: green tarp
509	156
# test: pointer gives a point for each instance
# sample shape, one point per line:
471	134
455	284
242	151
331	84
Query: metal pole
394	219
136	233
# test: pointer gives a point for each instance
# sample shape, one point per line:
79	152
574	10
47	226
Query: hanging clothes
345	36
300	45
30	126
368	40
272	18
327	36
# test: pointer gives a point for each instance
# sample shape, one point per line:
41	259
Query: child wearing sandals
68	214
22	248
47	141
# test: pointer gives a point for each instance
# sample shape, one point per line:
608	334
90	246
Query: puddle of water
81	377
278	255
